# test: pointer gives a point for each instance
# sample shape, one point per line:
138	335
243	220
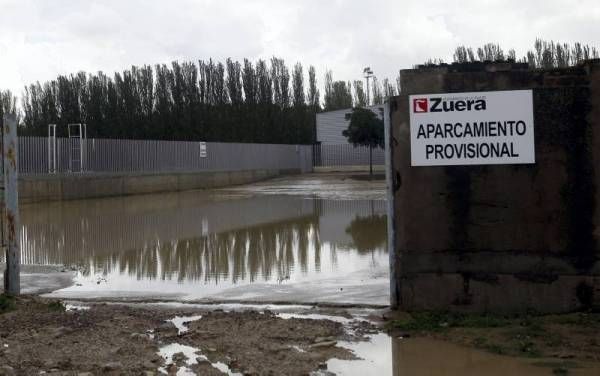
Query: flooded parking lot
300	240
304	239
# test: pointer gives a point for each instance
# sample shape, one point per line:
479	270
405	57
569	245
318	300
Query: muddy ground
566	338
39	336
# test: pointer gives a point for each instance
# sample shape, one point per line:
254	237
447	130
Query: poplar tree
543	55
208	101
338	94
360	96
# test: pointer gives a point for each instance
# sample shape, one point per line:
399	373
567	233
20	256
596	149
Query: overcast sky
40	39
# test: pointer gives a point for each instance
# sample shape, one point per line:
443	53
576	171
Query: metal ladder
77	136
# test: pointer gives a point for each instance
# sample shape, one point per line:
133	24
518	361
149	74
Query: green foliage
56	306
8	103
338	94
545	54
439	320
7	303
207	101
360	95
365	128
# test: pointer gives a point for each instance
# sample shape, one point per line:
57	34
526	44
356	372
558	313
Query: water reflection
200	237
368	233
383	355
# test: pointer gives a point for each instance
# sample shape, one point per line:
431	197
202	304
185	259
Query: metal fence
346	155
106	155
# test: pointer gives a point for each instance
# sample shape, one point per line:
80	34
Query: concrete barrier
500	238
38	188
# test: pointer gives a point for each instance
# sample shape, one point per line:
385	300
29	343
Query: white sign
492	127
202	149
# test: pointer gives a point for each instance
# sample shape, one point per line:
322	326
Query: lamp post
368	74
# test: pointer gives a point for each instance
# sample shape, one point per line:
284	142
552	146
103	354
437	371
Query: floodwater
384	355
300	239
295	240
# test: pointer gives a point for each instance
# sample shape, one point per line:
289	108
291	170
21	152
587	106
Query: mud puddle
41	336
384	355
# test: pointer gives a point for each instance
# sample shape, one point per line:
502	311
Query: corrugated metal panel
331	124
105	155
346	155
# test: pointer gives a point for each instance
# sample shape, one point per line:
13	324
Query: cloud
41	39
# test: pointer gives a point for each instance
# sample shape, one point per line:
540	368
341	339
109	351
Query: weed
7	303
56	306
436	321
495	348
528	348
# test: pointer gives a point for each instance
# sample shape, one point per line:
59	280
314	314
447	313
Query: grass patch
528	349
577	319
56	306
527	335
7	303
438	321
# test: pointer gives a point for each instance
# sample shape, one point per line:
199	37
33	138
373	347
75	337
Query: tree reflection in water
265	252
193	237
368	233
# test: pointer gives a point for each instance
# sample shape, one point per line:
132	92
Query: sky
40	39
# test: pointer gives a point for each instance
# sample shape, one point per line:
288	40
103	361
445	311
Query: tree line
210	101
231	101
341	94
265	102
8	103
544	54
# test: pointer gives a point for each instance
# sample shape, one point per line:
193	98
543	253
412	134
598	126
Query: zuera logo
439	104
420	105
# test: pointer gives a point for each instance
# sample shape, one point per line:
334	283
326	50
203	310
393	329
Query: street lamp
368	74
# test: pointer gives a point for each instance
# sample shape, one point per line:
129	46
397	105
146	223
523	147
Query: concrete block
501	237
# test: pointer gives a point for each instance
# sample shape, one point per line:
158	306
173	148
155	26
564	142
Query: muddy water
241	244
426	357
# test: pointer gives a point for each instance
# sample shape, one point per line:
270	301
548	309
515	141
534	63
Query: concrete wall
501	237
37	188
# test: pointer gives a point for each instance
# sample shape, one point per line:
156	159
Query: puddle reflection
426	357
193	237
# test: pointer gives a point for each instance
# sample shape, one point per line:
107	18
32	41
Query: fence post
391	204
12	284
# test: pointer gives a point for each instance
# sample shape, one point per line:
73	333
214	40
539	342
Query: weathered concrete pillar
12	284
500	238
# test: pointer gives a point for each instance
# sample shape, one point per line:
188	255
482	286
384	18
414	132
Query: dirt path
39	335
